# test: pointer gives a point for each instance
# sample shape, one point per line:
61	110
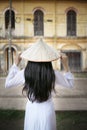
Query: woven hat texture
40	52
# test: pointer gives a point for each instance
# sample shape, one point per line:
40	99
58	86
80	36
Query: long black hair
39	80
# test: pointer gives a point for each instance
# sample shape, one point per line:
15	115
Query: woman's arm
15	76
66	79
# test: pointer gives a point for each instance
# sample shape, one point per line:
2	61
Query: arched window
38	23
13	53
71	23
7	15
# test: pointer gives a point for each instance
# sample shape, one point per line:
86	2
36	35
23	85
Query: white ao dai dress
38	116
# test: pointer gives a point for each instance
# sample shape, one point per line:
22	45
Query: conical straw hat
40	52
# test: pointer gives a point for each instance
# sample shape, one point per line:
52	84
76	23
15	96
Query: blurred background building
61	23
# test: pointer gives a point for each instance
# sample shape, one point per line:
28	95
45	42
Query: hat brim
40	52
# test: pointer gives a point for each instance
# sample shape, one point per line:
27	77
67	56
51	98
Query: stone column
86	59
1	58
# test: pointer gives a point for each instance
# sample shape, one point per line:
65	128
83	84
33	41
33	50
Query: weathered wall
55	32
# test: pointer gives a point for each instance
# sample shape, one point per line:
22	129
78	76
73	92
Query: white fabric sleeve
15	77
66	79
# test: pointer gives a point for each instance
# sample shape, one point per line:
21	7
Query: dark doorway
74	60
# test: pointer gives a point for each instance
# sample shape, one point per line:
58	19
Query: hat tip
40	40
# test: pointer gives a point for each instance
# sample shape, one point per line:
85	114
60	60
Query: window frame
38	23
71	23
7	13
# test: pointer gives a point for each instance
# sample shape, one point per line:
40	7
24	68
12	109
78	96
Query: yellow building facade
61	23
